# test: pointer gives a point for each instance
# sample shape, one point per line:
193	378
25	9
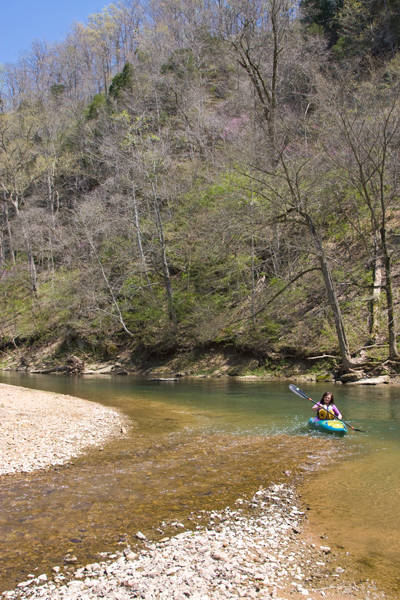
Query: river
198	444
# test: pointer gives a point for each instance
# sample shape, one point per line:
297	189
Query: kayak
328	426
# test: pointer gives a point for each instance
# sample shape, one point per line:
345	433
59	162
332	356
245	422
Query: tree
95	229
21	167
367	28
297	192
122	81
366	150
256	34
145	162
322	15
281	160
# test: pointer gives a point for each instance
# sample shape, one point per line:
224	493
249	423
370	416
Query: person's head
327	398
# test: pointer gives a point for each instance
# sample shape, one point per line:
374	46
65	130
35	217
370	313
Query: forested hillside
178	177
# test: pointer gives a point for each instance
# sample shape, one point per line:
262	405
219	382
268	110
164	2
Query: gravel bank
39	429
253	551
250	552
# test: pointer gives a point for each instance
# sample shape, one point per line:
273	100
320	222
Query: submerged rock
250	555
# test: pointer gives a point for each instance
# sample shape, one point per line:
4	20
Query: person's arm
337	412
316	407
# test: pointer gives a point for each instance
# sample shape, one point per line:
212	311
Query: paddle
297	391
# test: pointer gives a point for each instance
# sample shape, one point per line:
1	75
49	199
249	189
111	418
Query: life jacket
325	413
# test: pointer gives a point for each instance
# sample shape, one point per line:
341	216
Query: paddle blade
355	428
298	391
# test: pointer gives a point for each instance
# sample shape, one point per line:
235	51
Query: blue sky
21	21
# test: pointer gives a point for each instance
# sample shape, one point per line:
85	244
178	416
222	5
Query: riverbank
43	429
255	550
265	536
223	363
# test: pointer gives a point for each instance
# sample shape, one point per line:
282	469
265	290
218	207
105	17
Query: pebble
234	555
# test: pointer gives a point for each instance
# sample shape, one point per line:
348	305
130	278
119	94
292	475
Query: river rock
371	380
131	556
245	558
352	377
325	377
69	559
106	371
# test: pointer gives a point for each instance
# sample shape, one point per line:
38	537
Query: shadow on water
198	445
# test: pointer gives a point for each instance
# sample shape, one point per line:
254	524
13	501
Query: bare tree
297	193
257	34
367	153
21	168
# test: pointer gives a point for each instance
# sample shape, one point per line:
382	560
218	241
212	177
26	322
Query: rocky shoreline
211	364
252	551
43	429
255	550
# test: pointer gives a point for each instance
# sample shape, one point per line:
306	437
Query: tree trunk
30	257
2	255
2	249
10	239
253	318
165	267
333	300
389	296
114	299
168	287
376	294
32	269
139	240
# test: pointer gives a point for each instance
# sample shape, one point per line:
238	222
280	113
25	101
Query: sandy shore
40	429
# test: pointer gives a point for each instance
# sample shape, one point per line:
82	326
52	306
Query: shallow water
199	444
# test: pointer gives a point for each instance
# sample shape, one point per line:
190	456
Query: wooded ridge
186	177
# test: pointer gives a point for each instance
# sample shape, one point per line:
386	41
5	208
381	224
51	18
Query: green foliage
315	29
122	82
367	28
181	63
321	15
27	318
356	27
98	103
57	89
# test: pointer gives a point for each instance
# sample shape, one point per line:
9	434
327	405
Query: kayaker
326	407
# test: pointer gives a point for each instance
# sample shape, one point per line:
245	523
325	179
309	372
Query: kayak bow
328	426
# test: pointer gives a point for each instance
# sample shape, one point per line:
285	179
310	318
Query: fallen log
73	366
